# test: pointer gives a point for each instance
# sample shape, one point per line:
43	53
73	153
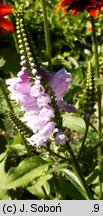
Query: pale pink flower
60	82
60	138
42	137
65	107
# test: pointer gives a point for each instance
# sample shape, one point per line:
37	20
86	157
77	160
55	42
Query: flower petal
75	12
64	13
78	6
6	26
93	12
5	9
101	8
63	3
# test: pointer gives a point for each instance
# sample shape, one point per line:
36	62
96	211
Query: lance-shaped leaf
25	173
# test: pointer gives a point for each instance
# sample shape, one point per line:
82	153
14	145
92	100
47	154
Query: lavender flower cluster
36	104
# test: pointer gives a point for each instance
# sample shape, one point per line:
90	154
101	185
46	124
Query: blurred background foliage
71	43
70	40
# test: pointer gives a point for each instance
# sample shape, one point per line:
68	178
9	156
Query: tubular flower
60	83
61	138
77	6
5	25
35	103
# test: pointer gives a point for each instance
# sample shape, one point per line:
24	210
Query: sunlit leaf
75	181
2	62
24	173
99	82
93	177
73	122
41	187
3	192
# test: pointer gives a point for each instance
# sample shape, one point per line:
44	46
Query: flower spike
40	102
19	124
90	94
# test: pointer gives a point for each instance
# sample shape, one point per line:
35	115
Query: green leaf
71	176
75	181
2	171
71	191
17	140
74	123
58	167
93	177
3	156
3	193
99	82
2	62
18	149
41	188
24	173
37	191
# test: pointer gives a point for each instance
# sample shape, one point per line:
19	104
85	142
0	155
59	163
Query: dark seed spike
19	124
90	94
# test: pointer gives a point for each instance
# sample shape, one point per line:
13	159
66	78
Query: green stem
25	143
14	34
2	86
76	168
16	42
84	140
47	35
78	171
55	154
99	102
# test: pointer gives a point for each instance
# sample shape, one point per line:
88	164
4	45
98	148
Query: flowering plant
55	109
77	6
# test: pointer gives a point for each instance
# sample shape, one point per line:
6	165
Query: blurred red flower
77	6
5	25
